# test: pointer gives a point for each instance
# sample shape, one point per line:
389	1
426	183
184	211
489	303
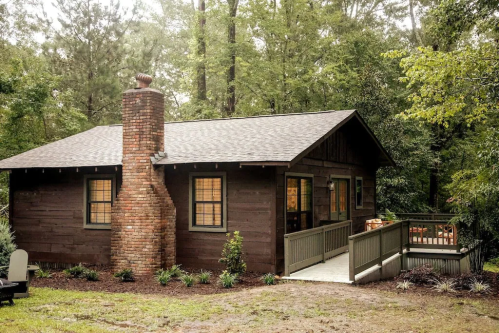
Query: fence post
351	263
323	244
380	260
287	248
401	237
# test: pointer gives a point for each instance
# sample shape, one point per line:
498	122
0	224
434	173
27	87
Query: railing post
323	244
380	260
401	237
287	248
351	262
408	245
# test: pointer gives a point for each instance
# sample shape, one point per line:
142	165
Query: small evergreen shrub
404	285
75	271
187	280
126	275
204	277
91	275
479	287
445	286
232	254
227	280
163	277
175	271
269	279
7	245
43	274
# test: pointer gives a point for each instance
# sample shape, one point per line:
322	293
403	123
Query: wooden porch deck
333	270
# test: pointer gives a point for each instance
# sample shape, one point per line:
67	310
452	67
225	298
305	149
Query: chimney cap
143	80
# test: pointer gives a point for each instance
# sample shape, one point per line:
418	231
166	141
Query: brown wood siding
47	217
251	210
346	152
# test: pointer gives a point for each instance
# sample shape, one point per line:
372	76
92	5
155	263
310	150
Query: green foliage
269	279
204	277
187	280
43	273
7	245
91	275
445	286
125	275
404	285
227	280
389	215
76	271
163	277
175	271
232	254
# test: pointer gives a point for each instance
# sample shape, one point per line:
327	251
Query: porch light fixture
330	184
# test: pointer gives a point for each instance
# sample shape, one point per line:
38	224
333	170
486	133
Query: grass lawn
288	307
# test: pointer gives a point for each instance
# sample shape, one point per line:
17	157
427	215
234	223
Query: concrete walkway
333	270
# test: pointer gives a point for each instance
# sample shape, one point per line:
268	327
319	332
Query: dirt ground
287	307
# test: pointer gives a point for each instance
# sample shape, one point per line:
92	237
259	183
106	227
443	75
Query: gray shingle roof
279	138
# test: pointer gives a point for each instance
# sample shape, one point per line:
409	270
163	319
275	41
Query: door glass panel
299	205
343	196
292	202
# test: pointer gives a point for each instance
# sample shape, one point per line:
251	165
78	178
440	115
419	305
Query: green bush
269	279
126	275
75	272
187	280
7	245
227	280
204	277
163	277
91	275
43	274
175	271
232	254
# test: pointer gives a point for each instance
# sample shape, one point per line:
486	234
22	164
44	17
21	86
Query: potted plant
389	217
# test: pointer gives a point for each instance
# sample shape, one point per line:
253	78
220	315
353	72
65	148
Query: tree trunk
417	37
201	52
434	171
231	71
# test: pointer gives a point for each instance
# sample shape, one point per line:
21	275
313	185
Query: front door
338	195
298	204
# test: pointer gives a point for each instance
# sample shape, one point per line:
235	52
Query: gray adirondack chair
18	272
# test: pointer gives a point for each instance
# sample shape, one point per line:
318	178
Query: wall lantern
330	184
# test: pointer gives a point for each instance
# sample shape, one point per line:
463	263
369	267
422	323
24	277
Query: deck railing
424	216
308	247
370	248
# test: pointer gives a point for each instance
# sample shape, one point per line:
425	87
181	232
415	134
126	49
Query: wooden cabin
147	194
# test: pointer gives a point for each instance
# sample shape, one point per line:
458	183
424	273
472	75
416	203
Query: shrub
232	254
227	280
7	245
163	277
91	275
404	285
187	280
43	274
126	275
75	271
479	287
204	277
421	275
269	279
175	271
445	286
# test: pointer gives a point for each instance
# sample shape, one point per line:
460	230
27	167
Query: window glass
359	192
299	204
207	201
99	201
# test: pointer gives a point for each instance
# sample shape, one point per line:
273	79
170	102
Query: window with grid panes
99	200
207	202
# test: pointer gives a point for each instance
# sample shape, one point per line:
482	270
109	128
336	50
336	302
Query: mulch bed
145	285
427	289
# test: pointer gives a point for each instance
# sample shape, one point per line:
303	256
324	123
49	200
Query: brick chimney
143	214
